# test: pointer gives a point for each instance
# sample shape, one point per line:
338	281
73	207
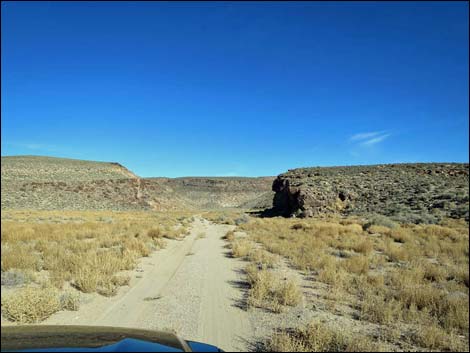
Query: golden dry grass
319	337
85	250
270	291
242	248
412	276
229	236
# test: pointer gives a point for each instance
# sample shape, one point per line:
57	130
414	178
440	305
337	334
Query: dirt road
188	287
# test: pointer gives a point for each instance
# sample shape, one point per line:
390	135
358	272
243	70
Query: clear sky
178	89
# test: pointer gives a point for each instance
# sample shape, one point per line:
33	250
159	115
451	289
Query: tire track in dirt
188	287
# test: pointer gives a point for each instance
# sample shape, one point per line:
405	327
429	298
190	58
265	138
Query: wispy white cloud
375	140
369	138
365	135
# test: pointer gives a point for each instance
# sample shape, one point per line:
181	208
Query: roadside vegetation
267	288
50	257
406	284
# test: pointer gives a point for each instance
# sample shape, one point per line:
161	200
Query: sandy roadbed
188	287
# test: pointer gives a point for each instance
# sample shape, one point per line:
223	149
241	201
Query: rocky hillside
30	182
213	192
424	192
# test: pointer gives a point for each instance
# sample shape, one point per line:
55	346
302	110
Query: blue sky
177	89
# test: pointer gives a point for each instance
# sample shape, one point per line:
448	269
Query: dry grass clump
242	248
358	264
270	291
379	308
319	337
414	276
155	233
263	258
121	280
70	301
331	272
32	305
229	236
20	257
375	229
432	336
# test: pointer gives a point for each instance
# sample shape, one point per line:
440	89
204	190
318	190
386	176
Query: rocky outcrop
423	192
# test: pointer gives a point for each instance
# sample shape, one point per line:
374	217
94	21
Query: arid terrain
414	193
367	258
47	183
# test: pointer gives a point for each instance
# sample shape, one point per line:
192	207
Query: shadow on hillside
266	213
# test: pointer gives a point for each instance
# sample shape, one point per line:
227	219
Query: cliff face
424	192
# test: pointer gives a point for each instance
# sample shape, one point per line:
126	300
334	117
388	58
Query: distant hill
214	192
44	169
422	192
34	182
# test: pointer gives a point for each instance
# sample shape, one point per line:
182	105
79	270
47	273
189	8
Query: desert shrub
434	273
423	296
301	226
263	258
138	246
242	220
69	301
395	252
241	248
288	293
251	272
271	292
357	264
432	336
353	228
460	274
229	236
128	259
121	280
13	277
441	231
332	274
19	256
378	308
453	313
364	246
416	218
58	278
380	220
400	235
155	233
319	337
87	280
378	229
107	288
31	305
